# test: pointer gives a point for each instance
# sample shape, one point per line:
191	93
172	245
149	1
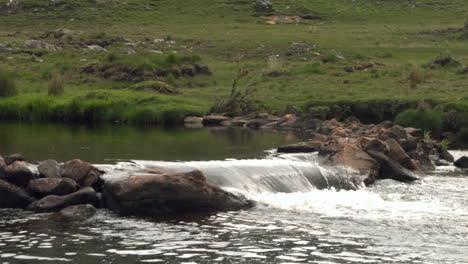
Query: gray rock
49	169
13	157
129	51
52	203
263	6
214	120
80	212
97	48
12	196
38	44
462	162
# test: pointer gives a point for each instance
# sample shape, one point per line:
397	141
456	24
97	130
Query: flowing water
302	216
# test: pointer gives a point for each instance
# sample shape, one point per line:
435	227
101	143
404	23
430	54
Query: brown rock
214	120
12	196
354	157
57	186
18	173
81	172
392	170
10	159
52	203
373	144
168	194
398	154
79	212
303	147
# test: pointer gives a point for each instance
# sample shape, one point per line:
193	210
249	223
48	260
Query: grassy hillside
328	53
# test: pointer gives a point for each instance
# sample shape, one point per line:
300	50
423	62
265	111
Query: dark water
107	143
390	222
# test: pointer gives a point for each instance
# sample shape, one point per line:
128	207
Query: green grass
402	35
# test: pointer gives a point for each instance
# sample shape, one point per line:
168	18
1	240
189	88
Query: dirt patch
288	19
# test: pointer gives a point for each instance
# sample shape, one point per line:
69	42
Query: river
297	219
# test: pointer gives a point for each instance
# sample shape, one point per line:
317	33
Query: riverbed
389	222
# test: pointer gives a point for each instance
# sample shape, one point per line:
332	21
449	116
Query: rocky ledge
74	189
382	151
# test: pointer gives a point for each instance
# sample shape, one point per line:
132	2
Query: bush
417	76
329	58
7	86
56	85
428	120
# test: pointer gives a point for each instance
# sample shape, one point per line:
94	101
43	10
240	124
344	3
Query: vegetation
428	120
389	46
56	85
7	86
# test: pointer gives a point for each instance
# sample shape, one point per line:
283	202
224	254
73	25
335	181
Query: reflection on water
388	223
111	142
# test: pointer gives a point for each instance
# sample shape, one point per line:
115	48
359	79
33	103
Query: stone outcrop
49	169
383	151
145	193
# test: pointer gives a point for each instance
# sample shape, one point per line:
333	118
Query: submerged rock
52	203
168	193
12	196
75	213
390	169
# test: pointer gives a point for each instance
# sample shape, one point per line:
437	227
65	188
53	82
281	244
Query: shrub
417	76
428	120
7	86
329	58
56	85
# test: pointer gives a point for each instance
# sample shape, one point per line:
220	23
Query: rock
2	164
18	173
81	172
13	157
38	45
13	4
300	47
462	162
444	62
373	144
392	170
263	6
303	147
386	124
97	48
415	132
214	120
49	169
57	186
399	132
201	69
128	51
52	203
398	154
352	156
79	212
444	154
409	145
164	194
155	86
12	196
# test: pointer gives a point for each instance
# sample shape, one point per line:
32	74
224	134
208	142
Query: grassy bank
332	58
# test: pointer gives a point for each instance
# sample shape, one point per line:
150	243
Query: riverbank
191	60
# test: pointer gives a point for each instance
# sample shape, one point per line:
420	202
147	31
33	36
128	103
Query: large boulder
214	120
79	212
53	203
462	162
398	154
81	172
263	6
389	169
170	193
12	196
39	45
18	173
49	169
352	156
58	186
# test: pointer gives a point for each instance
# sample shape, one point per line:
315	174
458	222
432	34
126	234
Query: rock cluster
74	189
375	152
